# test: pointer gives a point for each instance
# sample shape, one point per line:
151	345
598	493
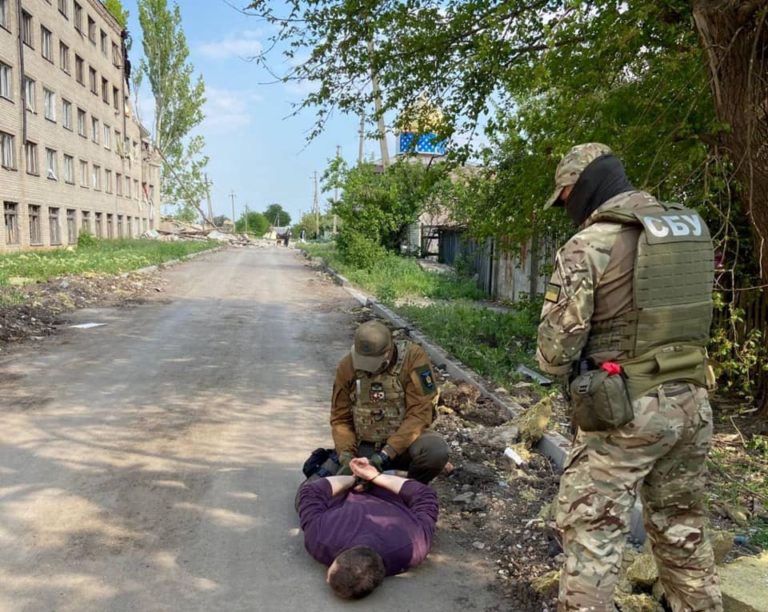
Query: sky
256	149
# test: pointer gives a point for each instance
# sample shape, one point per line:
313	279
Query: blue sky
255	149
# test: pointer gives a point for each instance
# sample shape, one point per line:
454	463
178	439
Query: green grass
398	277
491	343
106	256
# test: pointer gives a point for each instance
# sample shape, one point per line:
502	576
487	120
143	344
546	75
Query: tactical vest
378	402
665	333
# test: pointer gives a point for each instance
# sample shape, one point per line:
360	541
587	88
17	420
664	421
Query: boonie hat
373	341
572	165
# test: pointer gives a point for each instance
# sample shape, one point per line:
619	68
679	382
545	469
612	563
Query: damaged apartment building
73	156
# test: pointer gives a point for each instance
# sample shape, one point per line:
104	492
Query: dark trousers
423	460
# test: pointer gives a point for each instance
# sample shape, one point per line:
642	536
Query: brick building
72	154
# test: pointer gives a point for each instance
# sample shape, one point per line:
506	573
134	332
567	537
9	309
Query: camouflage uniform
662	450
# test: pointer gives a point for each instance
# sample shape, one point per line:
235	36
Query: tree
277	216
309	223
115	8
178	102
257	224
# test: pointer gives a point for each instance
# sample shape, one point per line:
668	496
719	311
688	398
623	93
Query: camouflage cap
572	165
371	349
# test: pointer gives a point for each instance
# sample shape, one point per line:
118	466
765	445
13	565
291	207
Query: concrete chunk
744	584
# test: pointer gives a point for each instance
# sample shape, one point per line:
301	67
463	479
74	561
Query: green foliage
277	216
256	222
491	343
309	223
106	256
219	220
86	240
178	102
116	9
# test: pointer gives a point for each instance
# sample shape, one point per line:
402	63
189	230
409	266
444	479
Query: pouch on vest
599	401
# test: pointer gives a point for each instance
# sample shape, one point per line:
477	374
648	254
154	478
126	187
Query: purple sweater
398	527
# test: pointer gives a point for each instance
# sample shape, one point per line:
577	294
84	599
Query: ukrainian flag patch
552	294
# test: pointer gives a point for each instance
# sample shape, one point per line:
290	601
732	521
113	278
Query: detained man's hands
363	469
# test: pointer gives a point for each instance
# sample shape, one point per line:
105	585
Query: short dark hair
356	572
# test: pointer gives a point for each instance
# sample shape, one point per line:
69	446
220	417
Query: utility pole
336	190
232	195
316	209
377	108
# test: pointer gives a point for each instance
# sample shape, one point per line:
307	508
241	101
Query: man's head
356	572
570	168
372	349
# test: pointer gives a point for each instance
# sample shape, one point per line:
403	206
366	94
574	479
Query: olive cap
572	165
371	350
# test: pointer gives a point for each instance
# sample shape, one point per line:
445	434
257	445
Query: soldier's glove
344	468
380	461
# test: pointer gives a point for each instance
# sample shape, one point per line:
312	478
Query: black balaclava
599	182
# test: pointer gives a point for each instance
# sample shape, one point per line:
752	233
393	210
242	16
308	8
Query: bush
85	239
358	250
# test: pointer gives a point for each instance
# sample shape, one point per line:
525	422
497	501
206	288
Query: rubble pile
172	230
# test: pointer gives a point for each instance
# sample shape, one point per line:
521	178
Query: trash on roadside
87	325
534	375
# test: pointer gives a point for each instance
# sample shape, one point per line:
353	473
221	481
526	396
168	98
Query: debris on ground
173	229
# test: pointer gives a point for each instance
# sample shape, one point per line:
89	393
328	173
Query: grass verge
105	256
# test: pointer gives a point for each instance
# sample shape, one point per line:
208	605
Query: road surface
151	463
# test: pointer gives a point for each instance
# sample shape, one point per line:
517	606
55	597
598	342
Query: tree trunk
734	34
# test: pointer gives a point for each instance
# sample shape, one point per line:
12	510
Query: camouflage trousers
662	452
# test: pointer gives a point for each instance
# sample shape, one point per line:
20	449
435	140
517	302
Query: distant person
383	403
365	535
302	236
286	238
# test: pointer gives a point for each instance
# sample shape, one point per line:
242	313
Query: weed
106	256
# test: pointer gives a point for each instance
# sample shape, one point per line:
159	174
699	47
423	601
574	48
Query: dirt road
150	463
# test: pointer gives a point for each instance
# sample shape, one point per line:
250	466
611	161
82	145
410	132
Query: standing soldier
384	400
626	318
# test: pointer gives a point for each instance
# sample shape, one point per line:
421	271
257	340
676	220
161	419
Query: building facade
73	157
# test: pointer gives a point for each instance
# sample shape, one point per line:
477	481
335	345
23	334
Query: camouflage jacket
417	378
569	300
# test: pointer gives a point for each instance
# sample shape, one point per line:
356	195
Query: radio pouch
599	401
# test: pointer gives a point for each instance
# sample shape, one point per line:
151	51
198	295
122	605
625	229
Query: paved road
150	464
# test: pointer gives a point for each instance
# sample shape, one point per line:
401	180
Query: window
66	113
91	30
104	43
5	81
7	151
116	98
96	177
97	230
110	228
71	226
77	12
26	28
108	181
52	170
107	137
35	227
119	226
29	94
119	183
30	157
11	213
128	221
4	13
92	79
117	141
69	169
95	130
85	221
136	188
64	8
83	173
64	57
127	186
49	98
46	44
53	224
81	128
79	69
115	55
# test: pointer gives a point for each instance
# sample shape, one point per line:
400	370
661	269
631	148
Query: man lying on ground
366	526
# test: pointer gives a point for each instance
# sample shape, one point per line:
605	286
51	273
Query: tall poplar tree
179	100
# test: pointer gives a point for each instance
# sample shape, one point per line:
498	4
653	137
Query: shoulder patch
426	379
552	294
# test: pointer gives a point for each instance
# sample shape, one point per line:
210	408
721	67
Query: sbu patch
552	294
426	379
376	394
